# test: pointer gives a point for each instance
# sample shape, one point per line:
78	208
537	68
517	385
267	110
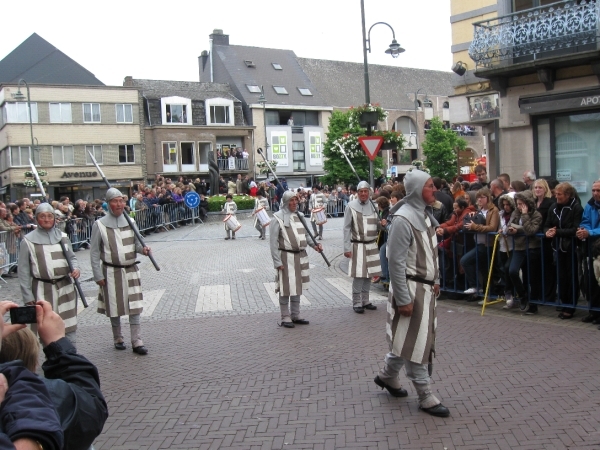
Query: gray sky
162	40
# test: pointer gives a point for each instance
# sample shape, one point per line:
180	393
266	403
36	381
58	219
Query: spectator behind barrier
71	380
505	247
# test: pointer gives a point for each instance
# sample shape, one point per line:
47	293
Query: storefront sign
563	175
569	101
79	175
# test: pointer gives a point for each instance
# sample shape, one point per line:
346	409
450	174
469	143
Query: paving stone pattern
232	378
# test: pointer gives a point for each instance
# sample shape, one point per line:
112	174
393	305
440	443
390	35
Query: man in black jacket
71	380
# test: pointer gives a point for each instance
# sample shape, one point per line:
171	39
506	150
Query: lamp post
19	96
417	119
263	101
394	49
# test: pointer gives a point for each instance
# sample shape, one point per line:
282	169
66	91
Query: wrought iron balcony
567	27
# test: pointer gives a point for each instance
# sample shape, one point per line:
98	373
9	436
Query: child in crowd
261	201
229	208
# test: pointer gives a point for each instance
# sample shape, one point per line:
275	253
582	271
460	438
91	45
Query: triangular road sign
371	145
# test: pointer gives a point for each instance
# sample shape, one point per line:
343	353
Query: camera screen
23	314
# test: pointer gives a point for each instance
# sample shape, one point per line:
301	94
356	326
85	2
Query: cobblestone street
220	373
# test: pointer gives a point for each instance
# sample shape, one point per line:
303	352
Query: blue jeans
471	261
385	273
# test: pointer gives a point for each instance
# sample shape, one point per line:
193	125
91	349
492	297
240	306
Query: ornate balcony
557	30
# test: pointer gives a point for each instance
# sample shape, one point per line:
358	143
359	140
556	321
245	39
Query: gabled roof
263	73
38	61
187	89
342	83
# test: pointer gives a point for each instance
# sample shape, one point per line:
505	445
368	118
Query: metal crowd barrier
9	252
555	278
165	216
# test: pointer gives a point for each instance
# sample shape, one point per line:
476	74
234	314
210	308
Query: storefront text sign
79	175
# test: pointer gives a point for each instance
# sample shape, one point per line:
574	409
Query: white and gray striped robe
365	262
122	293
413	338
258	203
316	201
294	276
229	208
48	262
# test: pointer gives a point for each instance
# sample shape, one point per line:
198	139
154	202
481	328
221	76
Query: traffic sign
371	145
191	199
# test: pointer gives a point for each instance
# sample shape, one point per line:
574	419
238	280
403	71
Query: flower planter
368	118
389	146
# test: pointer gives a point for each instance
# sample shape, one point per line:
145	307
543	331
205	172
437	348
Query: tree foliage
335	165
441	147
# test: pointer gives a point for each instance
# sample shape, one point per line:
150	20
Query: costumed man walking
361	227
288	250
44	269
414	287
113	253
260	202
317	200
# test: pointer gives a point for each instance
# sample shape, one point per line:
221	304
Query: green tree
337	170
441	148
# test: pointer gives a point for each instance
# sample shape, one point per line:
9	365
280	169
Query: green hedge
216	202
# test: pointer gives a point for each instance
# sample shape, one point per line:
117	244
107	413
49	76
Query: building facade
187	123
66	123
532	80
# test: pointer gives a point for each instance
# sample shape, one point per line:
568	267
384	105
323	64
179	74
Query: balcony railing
564	27
239	164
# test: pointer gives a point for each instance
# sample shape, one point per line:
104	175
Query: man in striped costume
361	227
260	202
288	250
113	253
44	270
317	200
414	287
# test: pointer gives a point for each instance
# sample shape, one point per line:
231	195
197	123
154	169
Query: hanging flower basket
263	168
368	118
389	146
367	114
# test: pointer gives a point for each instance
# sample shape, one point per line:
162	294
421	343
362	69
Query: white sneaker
480	302
471	291
511	304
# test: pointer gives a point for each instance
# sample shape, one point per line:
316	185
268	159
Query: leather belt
43	280
362	242
118	266
291	251
420	280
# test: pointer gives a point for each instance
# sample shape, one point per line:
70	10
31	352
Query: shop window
124	113
19	112
95	150
91	112
20	155
62	155
170	156
126	154
60	113
188	159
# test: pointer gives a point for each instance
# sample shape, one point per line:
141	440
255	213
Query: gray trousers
360	291
260	228
314	226
134	327
284	306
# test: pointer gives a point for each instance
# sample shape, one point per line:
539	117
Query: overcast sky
162	40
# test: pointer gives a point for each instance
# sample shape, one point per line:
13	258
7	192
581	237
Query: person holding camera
44	268
113	253
71	380
485	221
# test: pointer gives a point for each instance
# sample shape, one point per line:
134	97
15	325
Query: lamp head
459	68
395	49
19	95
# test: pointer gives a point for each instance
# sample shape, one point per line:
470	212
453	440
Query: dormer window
249	63
280	90
219	111
277	66
176	111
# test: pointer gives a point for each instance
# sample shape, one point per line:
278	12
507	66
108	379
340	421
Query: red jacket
455	224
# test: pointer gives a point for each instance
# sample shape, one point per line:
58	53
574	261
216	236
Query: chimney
202	60
128	81
219	38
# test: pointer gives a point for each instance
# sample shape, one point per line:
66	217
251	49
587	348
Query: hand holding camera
50	326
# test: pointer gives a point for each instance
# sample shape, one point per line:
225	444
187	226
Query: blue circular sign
191	199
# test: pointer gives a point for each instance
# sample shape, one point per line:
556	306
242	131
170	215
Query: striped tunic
122	293
48	262
316	201
413	337
294	276
365	262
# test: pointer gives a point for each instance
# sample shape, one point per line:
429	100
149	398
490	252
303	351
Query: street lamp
263	101
417	118
19	96
394	49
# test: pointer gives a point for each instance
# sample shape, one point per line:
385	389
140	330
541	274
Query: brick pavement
234	379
